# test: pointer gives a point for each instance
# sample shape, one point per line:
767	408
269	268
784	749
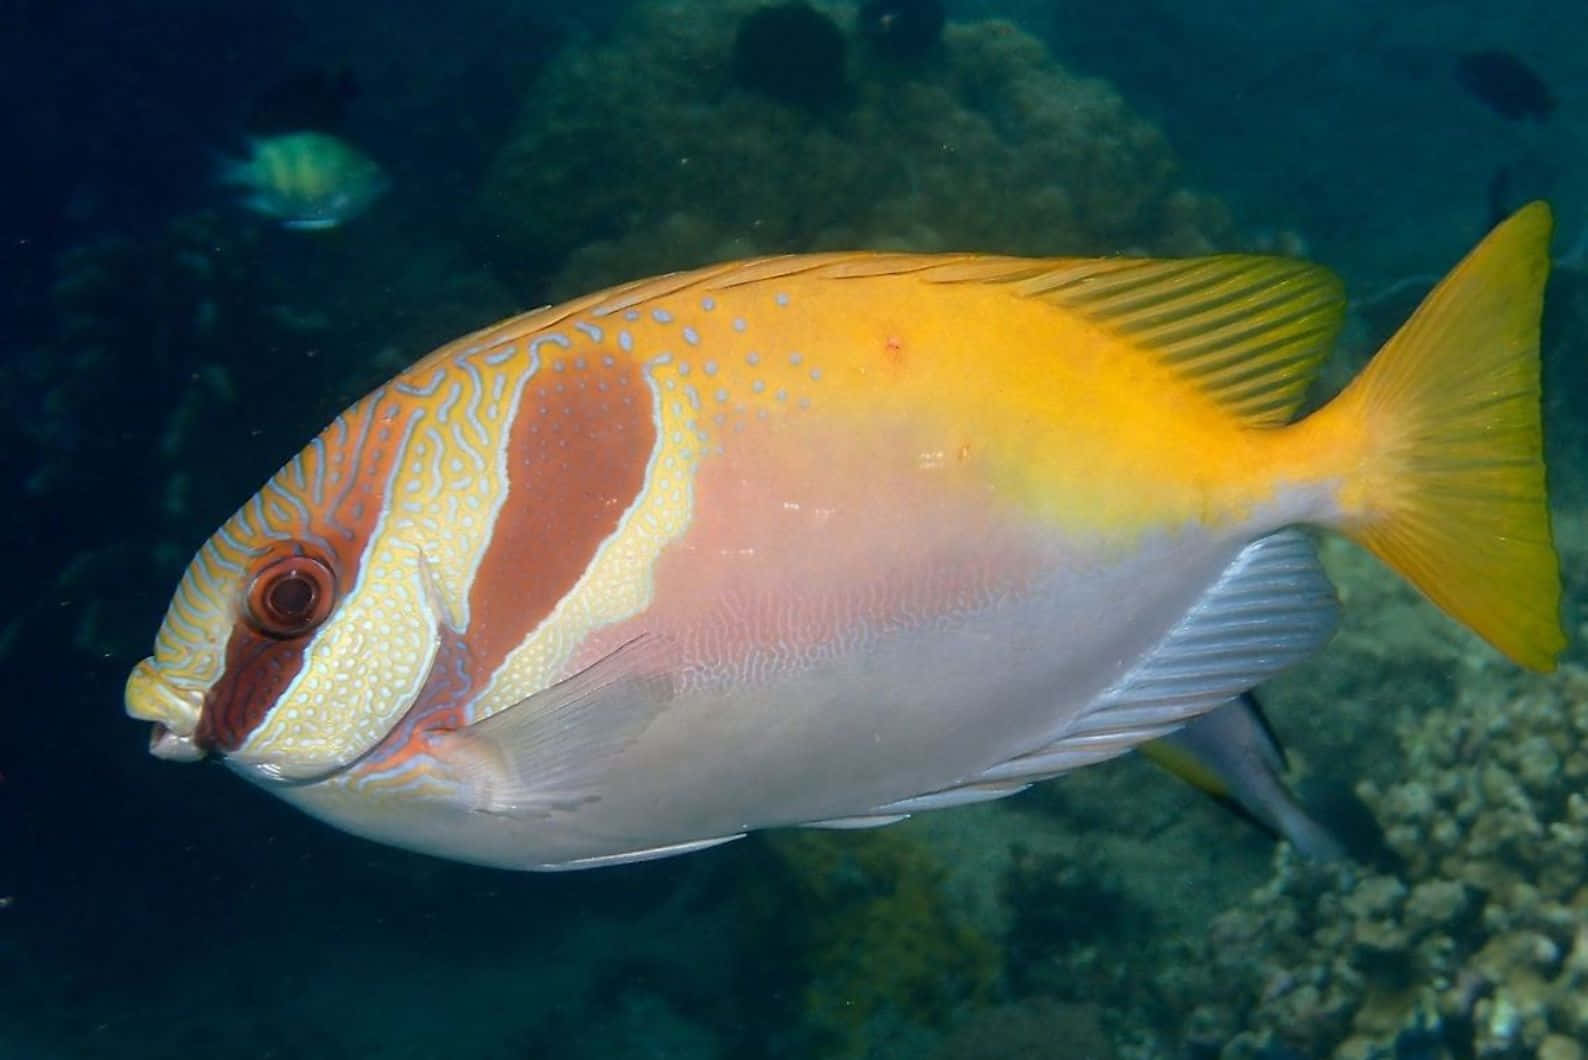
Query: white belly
1082	664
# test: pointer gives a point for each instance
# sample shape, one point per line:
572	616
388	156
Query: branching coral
1480	950
867	930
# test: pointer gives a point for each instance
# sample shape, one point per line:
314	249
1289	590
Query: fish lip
163	743
174	710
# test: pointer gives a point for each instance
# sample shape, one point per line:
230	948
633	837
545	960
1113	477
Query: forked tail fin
1446	483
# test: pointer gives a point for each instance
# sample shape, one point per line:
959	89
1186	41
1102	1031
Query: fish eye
291	596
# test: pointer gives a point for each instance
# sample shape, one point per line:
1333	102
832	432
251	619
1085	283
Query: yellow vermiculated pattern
365	667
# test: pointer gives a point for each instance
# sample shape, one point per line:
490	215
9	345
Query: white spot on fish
739	324
781	299
708	303
625	341
661	316
691	336
752	358
589	329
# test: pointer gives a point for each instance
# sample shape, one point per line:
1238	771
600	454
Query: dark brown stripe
577	456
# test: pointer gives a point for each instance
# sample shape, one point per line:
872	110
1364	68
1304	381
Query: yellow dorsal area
1247	332
1108	396
1114	397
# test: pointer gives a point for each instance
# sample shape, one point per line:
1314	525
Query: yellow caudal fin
1447	482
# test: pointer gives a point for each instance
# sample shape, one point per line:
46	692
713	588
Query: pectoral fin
546	752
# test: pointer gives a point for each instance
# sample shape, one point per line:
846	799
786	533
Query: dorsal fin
1249	331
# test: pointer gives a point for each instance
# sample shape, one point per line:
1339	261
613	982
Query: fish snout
174	712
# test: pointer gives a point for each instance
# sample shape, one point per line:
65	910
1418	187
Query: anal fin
870	820
1271	607
648	854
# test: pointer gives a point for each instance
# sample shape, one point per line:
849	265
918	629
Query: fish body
1506	84
828	540
306	180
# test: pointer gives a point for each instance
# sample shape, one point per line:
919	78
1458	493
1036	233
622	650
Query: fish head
306	627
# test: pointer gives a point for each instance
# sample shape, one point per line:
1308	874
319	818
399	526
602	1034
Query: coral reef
868	937
1036	1029
642	155
791	53
902	29
1480	949
185	364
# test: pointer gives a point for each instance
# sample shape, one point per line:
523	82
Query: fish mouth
163	743
173	710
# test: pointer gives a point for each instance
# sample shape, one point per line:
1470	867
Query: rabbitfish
831	539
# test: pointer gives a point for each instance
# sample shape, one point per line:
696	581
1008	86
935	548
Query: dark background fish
1506	84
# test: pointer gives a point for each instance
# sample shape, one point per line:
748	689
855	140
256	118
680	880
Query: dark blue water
166	349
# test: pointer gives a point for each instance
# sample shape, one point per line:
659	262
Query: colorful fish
306	180
828	540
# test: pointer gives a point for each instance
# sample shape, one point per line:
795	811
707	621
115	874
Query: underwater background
170	341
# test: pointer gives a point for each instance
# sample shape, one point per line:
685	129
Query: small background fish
306	180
